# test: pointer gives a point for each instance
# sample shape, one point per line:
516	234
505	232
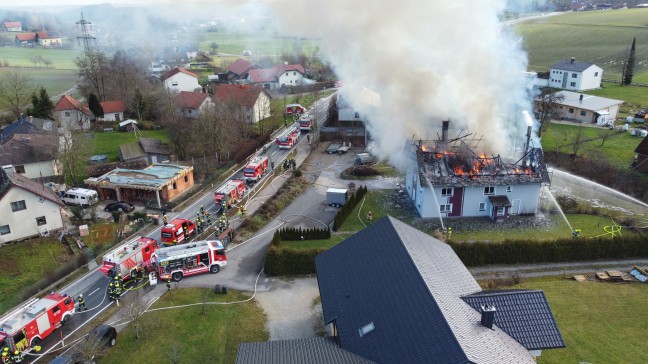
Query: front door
515	207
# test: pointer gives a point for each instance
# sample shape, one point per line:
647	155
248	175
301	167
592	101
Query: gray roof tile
316	350
568	65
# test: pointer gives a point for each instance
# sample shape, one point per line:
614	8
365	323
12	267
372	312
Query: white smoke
428	59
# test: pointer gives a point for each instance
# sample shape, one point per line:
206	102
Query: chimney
581	98
444	131
528	139
487	316
572	60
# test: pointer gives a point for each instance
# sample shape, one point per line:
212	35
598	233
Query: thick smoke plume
429	60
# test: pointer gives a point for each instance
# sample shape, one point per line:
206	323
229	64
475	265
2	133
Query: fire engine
32	322
294	109
137	251
232	192
204	256
256	168
289	137
306	122
174	230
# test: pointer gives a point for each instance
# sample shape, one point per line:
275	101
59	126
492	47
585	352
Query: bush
303	234
290	262
348	207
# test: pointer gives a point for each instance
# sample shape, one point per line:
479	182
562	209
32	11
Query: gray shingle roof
589	102
316	350
568	65
524	315
409	285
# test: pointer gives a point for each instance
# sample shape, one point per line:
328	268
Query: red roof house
190	103
70	112
253	101
12	26
240	69
278	76
113	110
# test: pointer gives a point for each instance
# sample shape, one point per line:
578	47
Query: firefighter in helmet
5	355
168	284
111	291
208	216
244	211
202	209
82	304
164	218
17	357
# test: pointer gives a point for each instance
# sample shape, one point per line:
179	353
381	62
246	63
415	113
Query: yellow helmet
16	352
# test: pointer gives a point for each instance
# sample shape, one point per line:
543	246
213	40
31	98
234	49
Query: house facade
239	70
71	114
29	208
32	155
641	162
12	26
253	102
575	76
25	39
190	104
49	38
278	76
179	79
113	110
585	108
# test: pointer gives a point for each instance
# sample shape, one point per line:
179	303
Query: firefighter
244	211
202	225
369	215
576	233
168	284
5	355
202	209
140	273
165	219
82	304
208	216
223	205
17	357
118	291
111	291
272	165
134	273
308	138
175	242
185	231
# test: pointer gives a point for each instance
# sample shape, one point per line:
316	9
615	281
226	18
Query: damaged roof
153	177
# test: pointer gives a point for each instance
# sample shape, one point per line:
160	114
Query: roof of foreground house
395	295
244	95
153	177
642	148
588	102
10	179
571	65
190	99
316	350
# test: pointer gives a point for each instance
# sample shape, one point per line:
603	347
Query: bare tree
15	92
546	108
93	71
90	348
74	150
135	308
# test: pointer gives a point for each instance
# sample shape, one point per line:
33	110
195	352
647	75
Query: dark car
119	206
84	352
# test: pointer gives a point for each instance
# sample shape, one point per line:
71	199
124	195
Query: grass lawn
260	43
603	37
380	204
108	143
618	149
21	57
317	244
24	264
599	322
635	97
190	335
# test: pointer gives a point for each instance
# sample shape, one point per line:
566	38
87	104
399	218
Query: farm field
599	322
55	81
21	57
260	44
603	37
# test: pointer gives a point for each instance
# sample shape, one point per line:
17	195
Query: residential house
147	149
28	125
113	110
278	76
239	70
25	39
156	185
190	104
449	179
253	101
641	163
29	208
425	308
49	38
70	113
32	155
12	26
179	79
574	75
585	108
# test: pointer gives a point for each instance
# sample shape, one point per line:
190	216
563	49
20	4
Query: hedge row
304	234
245	149
290	262
561	250
348	207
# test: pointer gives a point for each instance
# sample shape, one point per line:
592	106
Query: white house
70	113
575	76
277	76
12	26
253	101
450	180
179	79
113	110
587	108
191	104
32	155
28	208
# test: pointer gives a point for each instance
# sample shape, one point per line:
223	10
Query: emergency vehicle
232	192
137	251
295	109
256	168
174	230
306	122
289	137
199	257
32	322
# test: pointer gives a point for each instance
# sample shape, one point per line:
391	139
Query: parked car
119	206
84	352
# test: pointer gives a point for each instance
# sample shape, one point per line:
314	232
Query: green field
599	322
188	335
259	43
21	57
602	37
24	264
55	81
108	143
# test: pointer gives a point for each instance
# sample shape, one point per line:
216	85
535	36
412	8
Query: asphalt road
243	262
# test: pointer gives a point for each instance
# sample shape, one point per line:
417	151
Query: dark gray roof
27	125
568	65
499	201
316	350
524	315
154	146
130	151
408	285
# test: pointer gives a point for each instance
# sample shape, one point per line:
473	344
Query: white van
80	196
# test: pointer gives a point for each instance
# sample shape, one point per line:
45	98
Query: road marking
90	294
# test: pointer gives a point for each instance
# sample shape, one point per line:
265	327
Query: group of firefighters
9	358
289	163
116	287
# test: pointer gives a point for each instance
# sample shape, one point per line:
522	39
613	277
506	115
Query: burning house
453	179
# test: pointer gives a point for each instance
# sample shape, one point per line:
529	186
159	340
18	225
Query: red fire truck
305	122
232	192
204	256
32	322
135	252
256	168
295	109
289	137
174	230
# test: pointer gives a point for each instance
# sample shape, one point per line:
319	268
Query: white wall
577	81
591	78
111	116
74	118
291	78
181	82
23	223
41	169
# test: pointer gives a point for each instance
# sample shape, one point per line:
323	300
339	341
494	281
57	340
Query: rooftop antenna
84	28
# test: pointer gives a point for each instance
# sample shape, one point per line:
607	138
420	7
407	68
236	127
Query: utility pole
84	28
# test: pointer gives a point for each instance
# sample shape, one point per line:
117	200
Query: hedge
554	251
304	234
348	207
290	262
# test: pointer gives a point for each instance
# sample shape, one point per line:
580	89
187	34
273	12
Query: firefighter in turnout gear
5	355
202	209
165	219
199	226
111	291
82	304
208	216
185	231
244	211
140	273
240	211
168	284
17	357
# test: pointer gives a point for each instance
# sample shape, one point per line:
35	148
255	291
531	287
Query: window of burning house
500	211
571	110
509	189
573	84
4	230
482	206
446	191
489	190
445	208
41	221
574	75
18	206
186	178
